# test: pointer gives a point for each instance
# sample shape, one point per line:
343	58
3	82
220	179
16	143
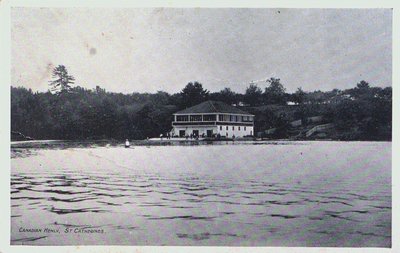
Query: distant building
212	118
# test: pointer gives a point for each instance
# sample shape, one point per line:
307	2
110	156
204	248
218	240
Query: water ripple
196	205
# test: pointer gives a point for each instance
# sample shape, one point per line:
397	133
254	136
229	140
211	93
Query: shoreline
62	144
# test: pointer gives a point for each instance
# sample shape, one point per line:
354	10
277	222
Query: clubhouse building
211	119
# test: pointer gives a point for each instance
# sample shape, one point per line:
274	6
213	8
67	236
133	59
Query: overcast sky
146	50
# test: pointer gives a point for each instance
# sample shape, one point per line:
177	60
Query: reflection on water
313	194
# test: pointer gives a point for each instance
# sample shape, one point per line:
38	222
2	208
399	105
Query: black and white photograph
172	126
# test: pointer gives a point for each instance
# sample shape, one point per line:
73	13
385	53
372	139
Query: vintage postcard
171	126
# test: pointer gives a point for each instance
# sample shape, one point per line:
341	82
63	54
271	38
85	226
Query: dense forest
65	112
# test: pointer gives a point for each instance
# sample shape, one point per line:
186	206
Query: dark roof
212	107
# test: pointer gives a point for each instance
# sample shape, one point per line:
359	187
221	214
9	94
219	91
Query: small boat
127	144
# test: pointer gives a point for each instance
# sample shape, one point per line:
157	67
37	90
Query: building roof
212	107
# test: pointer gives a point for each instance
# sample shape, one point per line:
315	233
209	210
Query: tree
97	113
363	85
253	95
99	90
275	92
226	95
193	94
299	96
316	97
62	80
161	97
361	90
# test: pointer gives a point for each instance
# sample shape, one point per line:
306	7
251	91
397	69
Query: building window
182	118
195	118
209	117
244	128
239	128
233	128
221	117
226	127
220	128
247	118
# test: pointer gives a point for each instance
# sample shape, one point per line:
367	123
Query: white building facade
213	119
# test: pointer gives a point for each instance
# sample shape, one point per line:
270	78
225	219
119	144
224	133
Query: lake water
249	194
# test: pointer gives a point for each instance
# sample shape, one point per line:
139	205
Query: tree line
65	112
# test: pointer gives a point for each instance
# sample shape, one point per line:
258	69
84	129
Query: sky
147	50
